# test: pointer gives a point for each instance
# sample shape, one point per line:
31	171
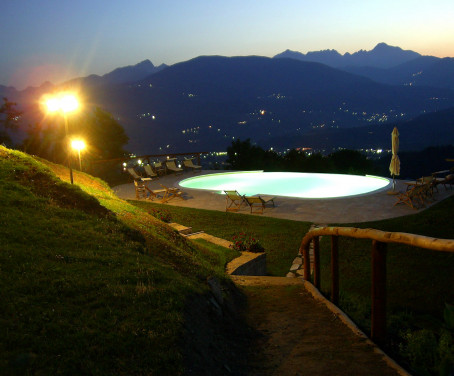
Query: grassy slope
86	290
280	237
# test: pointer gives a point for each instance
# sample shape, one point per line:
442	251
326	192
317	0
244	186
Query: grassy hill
90	284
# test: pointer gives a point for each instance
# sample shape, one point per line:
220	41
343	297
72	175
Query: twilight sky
60	39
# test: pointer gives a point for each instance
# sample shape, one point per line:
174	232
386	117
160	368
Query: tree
351	162
9	118
104	136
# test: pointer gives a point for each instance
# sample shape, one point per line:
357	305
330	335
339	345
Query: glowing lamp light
78	145
63	102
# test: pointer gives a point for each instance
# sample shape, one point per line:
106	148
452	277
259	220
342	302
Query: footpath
301	333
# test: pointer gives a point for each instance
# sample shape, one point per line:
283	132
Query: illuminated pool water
291	184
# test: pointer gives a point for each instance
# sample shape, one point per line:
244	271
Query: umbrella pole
393	191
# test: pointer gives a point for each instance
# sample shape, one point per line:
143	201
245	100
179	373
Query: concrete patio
364	208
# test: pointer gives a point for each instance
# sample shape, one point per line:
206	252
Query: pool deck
364	208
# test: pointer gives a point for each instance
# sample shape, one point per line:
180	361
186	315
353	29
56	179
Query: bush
246	243
162	214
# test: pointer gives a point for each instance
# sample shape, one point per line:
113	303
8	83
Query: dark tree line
9	121
242	155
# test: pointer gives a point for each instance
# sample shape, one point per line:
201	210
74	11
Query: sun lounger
258	202
413	197
171	193
143	191
233	201
135	175
189	164
159	168
150	172
170	165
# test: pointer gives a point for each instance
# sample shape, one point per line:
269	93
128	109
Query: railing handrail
420	241
379	250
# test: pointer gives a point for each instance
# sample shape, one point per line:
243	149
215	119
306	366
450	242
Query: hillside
431	129
205	103
90	284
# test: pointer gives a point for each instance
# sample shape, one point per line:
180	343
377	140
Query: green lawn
281	238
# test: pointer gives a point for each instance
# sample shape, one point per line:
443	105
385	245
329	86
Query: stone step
180	228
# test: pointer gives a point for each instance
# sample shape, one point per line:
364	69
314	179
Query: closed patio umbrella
394	167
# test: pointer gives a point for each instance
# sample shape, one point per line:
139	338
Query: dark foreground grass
88	288
281	238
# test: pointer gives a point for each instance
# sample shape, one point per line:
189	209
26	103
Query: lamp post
78	145
63	103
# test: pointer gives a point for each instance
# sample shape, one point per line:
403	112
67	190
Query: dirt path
299	335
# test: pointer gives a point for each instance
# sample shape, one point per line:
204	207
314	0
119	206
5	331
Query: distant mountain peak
381	56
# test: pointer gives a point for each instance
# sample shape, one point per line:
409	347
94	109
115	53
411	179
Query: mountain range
381	56
206	102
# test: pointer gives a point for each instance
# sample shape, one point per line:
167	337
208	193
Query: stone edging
248	263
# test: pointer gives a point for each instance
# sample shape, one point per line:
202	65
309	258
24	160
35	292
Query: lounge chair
136	176
413	197
140	187
171	193
159	168
447	180
429	184
233	201
259	202
142	191
189	164
170	165
150	172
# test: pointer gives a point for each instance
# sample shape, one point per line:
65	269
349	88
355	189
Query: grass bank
90	284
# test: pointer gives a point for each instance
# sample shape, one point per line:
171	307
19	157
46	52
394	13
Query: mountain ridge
381	56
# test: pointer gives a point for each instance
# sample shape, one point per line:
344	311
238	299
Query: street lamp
78	145
63	103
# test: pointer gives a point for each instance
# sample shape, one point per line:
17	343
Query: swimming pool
290	184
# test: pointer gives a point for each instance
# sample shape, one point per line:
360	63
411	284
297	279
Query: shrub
246	243
162	214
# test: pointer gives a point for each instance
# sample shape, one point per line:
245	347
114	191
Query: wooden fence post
316	243
378	324
335	269
307	263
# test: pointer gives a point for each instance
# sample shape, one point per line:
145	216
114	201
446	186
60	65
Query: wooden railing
379	250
